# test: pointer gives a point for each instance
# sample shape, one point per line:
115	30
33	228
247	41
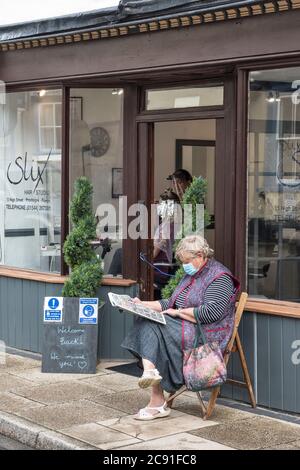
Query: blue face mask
190	269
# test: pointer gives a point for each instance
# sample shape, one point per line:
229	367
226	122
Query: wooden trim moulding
56	278
279	308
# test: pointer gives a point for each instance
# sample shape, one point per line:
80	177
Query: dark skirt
160	344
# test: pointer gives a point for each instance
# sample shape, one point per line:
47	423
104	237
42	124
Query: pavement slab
129	401
100	436
253	433
12	362
64	392
59	416
181	441
291	446
12	403
9	382
117	382
189	403
35	375
146	430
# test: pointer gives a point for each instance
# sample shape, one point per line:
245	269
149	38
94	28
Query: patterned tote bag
203	365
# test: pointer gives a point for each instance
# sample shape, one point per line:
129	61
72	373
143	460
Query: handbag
203	366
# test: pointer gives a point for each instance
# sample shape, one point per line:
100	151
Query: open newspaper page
124	302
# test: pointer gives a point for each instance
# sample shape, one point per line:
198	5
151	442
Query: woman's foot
149	378
153	412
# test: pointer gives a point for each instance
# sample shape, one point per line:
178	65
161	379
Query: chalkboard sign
70	346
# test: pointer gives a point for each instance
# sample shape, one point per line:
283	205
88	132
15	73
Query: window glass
184	97
274	184
96	151
30	175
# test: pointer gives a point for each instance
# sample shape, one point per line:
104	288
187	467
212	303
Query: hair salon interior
126	96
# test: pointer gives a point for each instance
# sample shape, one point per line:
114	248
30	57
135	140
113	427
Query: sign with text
88	311
71	346
53	309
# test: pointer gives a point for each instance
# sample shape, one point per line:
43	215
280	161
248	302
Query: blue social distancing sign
88	311
53	309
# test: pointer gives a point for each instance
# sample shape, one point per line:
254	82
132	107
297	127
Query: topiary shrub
86	270
194	194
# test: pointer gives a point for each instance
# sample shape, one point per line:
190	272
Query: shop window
274	184
30	175
174	98
96	151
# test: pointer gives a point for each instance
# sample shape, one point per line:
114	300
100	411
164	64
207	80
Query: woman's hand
172	312
136	300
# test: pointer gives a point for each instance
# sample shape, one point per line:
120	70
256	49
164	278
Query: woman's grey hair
193	244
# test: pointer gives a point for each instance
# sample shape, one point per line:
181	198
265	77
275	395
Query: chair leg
245	370
174	395
202	406
212	402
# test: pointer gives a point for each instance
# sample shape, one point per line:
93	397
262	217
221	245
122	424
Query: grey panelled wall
21	309
268	345
114	325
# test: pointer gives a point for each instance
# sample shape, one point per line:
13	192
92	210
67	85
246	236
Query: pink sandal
145	415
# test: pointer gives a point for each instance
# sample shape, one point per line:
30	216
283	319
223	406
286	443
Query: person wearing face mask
207	291
181	180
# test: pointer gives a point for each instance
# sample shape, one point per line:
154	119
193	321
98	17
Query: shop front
125	97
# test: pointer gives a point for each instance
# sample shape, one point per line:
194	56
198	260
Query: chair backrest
238	316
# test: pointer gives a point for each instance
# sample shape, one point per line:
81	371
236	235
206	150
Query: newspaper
124	302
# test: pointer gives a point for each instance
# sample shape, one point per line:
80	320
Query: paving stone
35	375
291	446
51	440
12	362
190	404
69	414
100	436
253	433
64	392
146	430
117	382
129	401
181	441
9	382
11	402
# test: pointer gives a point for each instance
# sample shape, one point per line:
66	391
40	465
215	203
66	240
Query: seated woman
208	291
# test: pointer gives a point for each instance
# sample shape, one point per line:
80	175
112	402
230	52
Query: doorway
197	147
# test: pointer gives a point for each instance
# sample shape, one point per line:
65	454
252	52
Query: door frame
138	141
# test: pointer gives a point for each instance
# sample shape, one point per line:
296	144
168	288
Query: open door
198	147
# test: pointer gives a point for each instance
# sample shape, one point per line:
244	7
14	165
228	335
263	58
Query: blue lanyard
144	259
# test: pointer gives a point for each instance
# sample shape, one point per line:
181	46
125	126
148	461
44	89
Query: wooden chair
234	345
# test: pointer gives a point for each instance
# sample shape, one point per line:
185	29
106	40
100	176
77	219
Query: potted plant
86	270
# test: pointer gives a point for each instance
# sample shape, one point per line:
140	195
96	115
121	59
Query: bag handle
199	332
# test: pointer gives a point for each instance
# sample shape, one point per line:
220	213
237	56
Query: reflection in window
50	127
274	185
96	151
30	176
